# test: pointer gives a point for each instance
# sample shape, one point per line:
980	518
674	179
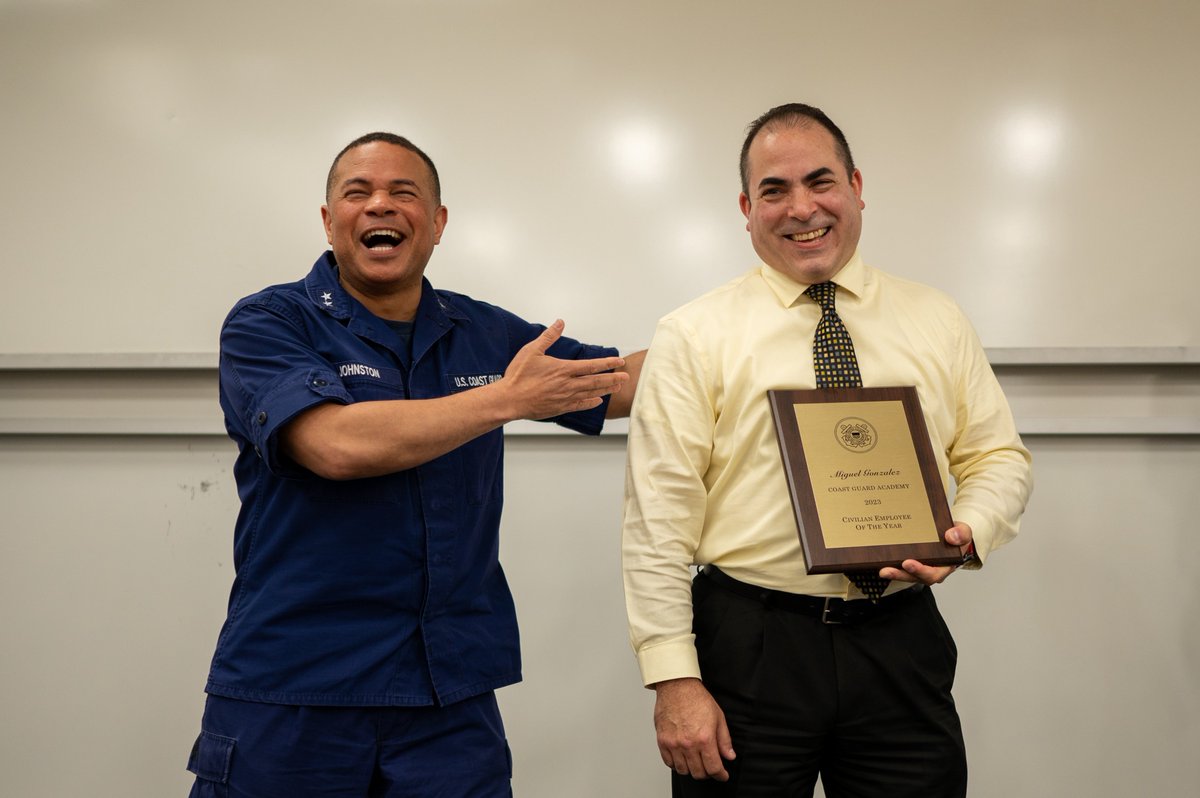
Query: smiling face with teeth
803	210
382	220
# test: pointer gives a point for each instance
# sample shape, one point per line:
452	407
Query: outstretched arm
367	439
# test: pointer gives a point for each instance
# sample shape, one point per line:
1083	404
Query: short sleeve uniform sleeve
521	332
269	373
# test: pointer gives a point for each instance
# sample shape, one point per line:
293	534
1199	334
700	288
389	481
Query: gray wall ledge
998	356
1071	391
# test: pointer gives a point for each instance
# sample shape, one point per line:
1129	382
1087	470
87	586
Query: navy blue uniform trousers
254	750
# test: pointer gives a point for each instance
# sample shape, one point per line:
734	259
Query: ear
439	223
327	220
744	204
856	182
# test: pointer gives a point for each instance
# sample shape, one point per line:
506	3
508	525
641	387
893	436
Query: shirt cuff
281	401
980	535
587	422
674	659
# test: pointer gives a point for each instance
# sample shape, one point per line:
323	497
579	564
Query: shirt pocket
369	383
477	378
364	383
482	466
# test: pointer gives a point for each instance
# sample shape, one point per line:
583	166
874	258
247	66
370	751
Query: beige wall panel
1078	643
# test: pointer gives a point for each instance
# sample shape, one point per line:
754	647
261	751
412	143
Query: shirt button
320	383
262	417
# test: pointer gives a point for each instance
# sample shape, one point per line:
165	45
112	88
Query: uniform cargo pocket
210	760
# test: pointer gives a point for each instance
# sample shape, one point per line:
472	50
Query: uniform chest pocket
364	382
480	461
367	382
355	492
482	466
456	383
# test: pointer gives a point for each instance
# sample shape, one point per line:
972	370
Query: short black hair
792	114
387	138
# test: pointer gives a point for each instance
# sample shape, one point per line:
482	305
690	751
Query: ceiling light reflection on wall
1032	141
638	153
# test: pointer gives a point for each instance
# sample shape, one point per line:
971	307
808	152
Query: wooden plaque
863	479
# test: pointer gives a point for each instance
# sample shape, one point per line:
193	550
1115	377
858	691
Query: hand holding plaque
863	479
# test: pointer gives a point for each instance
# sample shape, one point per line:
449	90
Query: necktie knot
823	294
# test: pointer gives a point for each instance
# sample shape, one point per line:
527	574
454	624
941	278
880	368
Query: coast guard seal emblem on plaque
856	435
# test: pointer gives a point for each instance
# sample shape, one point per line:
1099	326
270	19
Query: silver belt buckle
825	613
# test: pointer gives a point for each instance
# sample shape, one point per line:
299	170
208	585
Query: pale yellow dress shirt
704	479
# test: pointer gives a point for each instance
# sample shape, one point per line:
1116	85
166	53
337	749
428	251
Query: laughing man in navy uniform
369	621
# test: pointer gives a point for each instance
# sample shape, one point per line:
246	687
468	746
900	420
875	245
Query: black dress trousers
865	706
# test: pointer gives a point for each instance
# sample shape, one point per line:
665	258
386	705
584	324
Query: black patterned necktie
837	367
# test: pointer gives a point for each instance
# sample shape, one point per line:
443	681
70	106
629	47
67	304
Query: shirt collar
327	293
850	277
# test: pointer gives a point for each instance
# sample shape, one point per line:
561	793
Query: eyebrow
815	174
362	181
771	181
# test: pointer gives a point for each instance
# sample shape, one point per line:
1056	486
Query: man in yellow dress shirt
757	692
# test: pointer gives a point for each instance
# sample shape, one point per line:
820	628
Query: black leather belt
826	610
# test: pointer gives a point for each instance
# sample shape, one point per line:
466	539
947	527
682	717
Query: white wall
164	158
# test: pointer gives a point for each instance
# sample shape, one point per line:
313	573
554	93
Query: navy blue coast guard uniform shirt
379	591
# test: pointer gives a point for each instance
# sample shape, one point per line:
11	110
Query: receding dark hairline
792	115
385	138
797	123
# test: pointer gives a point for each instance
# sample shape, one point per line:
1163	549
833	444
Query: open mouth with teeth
810	236
382	240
